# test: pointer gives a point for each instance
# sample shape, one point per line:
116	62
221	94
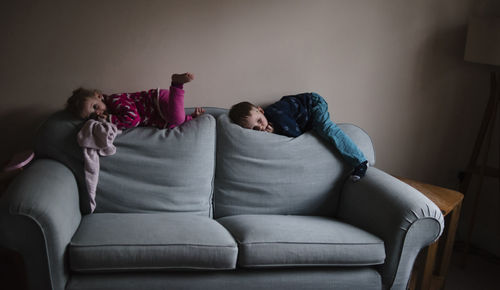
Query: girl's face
93	105
257	121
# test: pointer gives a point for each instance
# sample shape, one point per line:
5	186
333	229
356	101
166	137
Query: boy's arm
284	116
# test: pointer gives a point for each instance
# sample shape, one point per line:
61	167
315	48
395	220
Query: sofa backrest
173	170
264	173
152	169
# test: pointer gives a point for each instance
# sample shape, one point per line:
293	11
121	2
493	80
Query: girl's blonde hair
75	103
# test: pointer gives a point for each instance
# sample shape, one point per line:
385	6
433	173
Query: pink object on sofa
19	160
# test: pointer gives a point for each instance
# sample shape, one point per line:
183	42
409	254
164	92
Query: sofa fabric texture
160	180
264	173
141	176
210	205
286	240
151	241
313	278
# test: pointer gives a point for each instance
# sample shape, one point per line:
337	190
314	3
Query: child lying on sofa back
293	115
156	108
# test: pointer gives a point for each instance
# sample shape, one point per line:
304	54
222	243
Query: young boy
292	116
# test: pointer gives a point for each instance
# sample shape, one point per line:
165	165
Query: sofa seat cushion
150	241
281	241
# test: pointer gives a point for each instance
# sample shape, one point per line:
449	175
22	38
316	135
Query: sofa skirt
240	279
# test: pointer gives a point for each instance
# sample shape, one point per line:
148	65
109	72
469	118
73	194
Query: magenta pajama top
128	110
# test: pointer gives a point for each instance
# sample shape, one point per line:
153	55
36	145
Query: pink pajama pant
171	103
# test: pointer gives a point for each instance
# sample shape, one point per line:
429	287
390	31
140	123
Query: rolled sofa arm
403	217
39	214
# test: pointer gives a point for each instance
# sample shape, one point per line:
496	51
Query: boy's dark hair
239	112
75	103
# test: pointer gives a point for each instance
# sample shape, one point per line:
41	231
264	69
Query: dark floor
481	271
12	275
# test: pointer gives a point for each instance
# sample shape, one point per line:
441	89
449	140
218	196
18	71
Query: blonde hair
75	103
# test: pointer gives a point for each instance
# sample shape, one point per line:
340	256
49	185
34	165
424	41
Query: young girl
154	108
293	115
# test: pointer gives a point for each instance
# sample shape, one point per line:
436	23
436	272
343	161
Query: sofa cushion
279	240
160	170
264	173
124	242
146	173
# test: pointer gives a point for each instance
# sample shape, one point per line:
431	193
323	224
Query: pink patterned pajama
158	108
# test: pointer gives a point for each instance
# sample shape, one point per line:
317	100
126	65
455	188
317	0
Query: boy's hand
198	112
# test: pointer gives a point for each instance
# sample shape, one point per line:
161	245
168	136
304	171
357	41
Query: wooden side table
436	257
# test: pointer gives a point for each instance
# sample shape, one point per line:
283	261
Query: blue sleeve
284	115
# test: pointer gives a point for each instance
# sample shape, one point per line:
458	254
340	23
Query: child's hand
99	117
93	116
198	112
103	116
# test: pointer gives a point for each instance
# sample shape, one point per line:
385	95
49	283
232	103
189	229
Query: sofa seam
309	243
310	265
112	269
151	245
400	250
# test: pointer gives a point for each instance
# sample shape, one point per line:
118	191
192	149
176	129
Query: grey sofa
209	205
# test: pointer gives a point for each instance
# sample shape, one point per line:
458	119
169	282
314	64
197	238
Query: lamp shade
483	40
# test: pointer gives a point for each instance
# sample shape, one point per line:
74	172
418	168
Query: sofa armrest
403	217
39	213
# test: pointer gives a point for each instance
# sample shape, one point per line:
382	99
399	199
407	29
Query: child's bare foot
179	79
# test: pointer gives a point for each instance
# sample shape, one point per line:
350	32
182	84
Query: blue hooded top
291	115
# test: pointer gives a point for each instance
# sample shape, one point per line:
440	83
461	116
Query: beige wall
393	67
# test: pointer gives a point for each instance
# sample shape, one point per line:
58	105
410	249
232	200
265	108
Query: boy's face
257	121
93	105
